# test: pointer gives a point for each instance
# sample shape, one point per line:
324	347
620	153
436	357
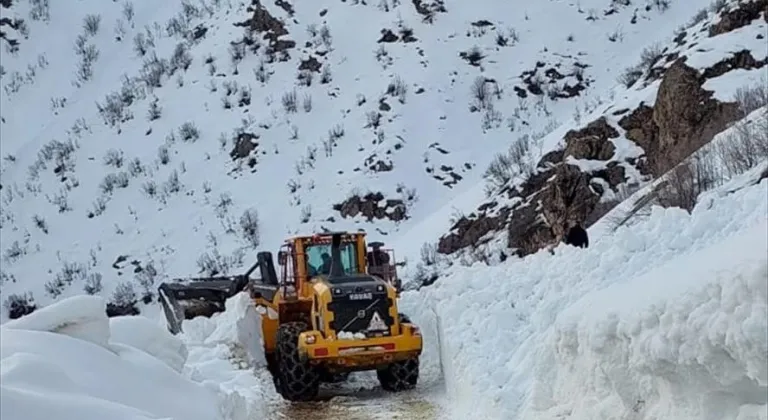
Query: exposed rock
687	116
466	232
244	145
592	142
614	174
740	60
527	230
642	129
373	206
387	36
263	22
740	17
551	158
310	64
567	198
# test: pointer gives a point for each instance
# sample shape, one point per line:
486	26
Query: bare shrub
687	181
289	101
249	227
114	110
114	180
306	103
40	223
515	162
91	24
123	301
163	155
92	284
213	263
189	132
745	147
19	305
155	111
751	98
397	88
181	58
114	158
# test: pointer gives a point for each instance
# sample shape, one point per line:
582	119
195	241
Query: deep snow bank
60	359
226	353
664	319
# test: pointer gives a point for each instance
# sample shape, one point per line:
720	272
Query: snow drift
663	319
61	359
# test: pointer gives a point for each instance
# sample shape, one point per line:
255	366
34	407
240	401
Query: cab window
319	258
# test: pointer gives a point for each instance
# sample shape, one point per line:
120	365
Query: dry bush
744	148
688	180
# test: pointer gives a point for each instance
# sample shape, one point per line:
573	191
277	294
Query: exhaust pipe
337	269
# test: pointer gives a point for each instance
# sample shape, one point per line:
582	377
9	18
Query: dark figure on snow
577	236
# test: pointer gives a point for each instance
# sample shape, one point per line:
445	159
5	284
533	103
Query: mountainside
142	142
678	97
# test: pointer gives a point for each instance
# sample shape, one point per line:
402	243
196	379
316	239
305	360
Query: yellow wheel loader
331	311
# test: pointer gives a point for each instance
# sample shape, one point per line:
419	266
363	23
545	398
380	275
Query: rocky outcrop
740	17
684	117
687	116
269	26
373	206
591	142
642	129
245	145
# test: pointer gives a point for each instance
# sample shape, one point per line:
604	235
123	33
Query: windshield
319	258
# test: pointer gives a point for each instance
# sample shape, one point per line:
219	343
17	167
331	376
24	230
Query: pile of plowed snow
226	352
69	358
665	319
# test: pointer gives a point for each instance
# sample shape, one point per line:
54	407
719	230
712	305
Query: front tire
296	380
399	376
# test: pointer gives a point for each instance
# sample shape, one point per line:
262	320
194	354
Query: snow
663	319
172	230
47	370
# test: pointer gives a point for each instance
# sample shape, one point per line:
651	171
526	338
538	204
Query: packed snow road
352	402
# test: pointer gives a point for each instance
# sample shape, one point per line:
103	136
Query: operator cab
319	258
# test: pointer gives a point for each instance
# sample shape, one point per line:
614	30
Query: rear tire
296	380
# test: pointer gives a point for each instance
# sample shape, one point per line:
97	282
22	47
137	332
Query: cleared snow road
357	400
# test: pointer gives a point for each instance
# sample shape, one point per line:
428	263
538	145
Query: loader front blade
191	298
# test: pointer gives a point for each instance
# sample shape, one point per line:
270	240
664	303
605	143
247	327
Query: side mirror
282	257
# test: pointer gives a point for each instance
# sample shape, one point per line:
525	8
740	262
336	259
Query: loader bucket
190	298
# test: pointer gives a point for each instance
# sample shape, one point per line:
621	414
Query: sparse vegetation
289	101
249	227
189	132
19	305
91	24
515	163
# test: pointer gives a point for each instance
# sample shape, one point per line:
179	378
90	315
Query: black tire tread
296	380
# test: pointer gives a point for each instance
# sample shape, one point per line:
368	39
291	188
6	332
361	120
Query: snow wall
667	318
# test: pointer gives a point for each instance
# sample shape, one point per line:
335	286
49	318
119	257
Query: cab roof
325	236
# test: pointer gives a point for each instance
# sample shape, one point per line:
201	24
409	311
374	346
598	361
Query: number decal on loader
361	296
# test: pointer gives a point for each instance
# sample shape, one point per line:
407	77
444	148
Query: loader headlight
310	339
379	288
336	291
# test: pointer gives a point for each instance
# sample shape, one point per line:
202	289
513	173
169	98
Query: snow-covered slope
667	318
148	184
70	359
